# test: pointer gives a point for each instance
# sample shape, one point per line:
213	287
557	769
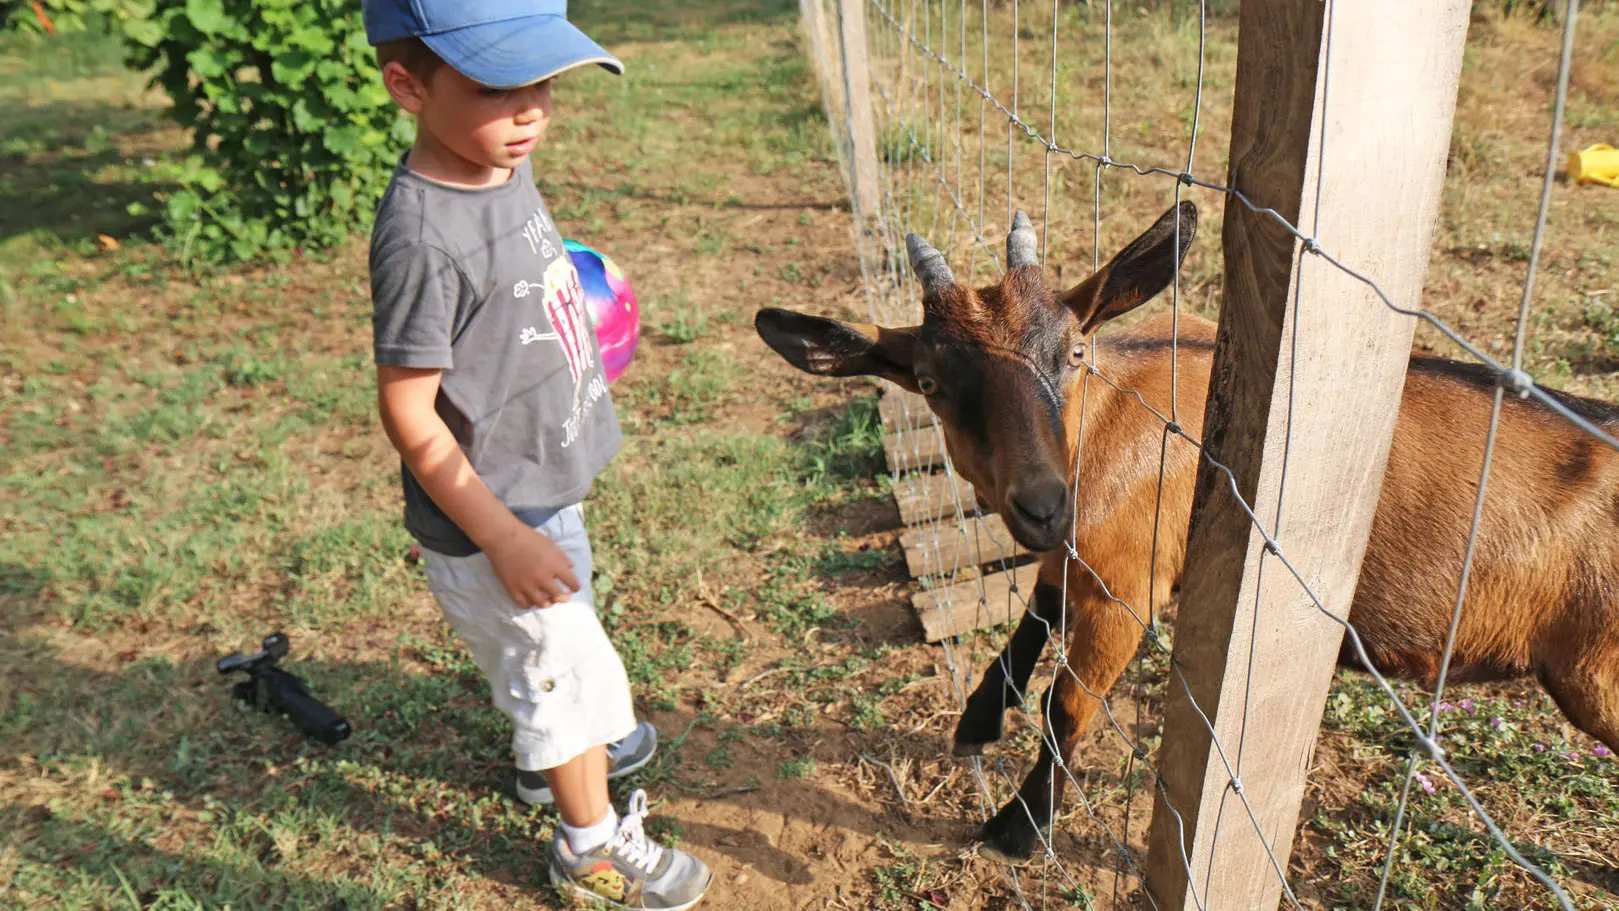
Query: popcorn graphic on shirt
564	305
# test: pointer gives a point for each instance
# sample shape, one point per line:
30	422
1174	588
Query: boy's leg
569	692
627	868
562	683
552	670
623	757
603	682
580	786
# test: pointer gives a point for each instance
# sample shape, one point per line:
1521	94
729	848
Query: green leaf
373	94
206	63
403	131
313	40
207	16
342	140
334	71
303	118
359	46
292	67
342	98
183	206
144	32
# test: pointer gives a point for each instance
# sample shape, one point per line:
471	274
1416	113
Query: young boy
490	386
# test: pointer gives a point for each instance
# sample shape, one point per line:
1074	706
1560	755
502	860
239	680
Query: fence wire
947	78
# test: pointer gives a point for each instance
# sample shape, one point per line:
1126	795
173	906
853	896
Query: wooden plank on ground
971	605
896	403
976	541
914	449
928	496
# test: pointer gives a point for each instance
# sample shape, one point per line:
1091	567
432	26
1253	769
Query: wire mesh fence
950	116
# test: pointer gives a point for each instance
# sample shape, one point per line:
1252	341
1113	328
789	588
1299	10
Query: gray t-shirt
475	282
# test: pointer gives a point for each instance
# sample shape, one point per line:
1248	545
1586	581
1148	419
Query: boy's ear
406	90
1136	274
828	347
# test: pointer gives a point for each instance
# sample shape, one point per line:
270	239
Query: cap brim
518	52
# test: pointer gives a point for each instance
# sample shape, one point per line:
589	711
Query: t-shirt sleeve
416	292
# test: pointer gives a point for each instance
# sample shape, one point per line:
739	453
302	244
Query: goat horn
1021	243
928	264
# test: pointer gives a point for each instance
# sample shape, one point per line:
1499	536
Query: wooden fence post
1358	162
857	108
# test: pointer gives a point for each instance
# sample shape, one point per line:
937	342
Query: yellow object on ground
1598	164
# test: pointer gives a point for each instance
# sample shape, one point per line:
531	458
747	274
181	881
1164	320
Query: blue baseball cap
499	43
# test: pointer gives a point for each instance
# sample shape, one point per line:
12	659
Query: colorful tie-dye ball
610	303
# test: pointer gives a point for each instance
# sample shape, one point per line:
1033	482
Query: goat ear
828	347
1139	271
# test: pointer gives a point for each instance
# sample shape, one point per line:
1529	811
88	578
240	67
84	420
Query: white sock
587	838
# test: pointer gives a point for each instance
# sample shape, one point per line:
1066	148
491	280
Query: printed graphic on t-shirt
530	335
564	305
564	299
536	232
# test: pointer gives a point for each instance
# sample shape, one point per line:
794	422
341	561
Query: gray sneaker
631	870
623	757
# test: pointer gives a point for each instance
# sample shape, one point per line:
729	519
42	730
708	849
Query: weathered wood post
863	173
1356	161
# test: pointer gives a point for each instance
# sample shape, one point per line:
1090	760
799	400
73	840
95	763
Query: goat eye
1076	357
928	385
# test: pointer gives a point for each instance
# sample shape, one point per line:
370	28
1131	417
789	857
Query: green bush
294	136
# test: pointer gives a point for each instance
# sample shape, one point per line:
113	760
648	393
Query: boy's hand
533	568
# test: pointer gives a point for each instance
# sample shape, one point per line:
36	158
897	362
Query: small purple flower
1540	748
1427	785
1497	722
1446	707
1467	705
1572	755
1602	752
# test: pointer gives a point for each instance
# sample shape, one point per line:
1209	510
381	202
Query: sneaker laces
631	839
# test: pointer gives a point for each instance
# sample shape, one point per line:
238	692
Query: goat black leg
1015	833
1006	680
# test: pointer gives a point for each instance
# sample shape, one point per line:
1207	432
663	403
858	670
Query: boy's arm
534	570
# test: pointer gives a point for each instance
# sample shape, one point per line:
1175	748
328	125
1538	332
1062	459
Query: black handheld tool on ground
274	690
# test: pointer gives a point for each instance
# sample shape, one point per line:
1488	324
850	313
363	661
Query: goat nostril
1040	507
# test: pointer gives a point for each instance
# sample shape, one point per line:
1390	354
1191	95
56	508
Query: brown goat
1001	368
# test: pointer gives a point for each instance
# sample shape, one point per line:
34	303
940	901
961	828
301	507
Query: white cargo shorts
552	669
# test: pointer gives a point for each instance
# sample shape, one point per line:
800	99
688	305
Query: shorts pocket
536	681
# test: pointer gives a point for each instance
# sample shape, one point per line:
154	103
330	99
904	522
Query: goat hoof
993	854
962	749
1010	837
972	736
